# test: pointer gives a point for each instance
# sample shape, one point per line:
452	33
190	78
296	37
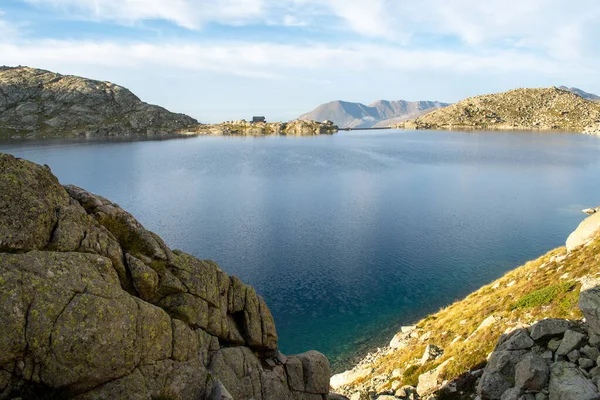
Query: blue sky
229	59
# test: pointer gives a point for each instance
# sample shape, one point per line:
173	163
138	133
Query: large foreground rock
589	303
586	230
568	383
94	306
39	103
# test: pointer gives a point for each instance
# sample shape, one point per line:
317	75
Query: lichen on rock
94	306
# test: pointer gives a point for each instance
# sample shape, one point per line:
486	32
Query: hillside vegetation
519	109
464	333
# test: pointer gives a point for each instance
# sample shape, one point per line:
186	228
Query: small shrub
543	296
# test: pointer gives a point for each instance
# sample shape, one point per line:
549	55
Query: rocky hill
521	337
94	306
381	113
519	109
245	128
35	103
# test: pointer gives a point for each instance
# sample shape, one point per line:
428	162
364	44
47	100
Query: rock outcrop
35	103
245	128
558	361
585	232
519	109
94	306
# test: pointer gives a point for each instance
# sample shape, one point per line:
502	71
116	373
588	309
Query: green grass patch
544	296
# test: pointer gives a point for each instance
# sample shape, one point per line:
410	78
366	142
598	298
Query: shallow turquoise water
347	236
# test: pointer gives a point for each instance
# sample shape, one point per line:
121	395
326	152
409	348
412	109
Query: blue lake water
347	236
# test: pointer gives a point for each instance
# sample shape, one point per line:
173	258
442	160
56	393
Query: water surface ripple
347	236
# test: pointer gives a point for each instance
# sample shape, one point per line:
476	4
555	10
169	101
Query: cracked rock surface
94	306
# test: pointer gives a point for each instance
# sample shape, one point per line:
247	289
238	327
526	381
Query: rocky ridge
246	128
533	334
35	103
519	109
94	306
581	93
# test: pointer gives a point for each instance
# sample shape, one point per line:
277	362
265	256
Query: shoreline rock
94	306
246	128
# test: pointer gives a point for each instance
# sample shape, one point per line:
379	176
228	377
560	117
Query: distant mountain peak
581	93
379	113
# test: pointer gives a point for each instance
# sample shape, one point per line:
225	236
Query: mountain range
384	113
381	113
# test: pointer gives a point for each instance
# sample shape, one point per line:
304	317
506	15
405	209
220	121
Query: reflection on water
347	236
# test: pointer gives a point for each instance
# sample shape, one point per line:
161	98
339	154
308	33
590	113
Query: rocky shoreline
537	356
246	128
94	306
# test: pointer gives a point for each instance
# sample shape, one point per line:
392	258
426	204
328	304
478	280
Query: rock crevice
94	306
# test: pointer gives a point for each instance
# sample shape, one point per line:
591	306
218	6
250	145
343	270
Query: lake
348	236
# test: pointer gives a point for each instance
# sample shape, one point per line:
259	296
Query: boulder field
94	306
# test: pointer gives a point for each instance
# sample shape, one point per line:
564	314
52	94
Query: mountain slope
581	93
518	109
464	333
39	103
380	113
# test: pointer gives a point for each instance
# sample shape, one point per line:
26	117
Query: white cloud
290	20
560	28
368	18
191	14
10	31
270	60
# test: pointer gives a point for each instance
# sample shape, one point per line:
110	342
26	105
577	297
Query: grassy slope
539	289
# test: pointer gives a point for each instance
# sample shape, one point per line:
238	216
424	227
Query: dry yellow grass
539	289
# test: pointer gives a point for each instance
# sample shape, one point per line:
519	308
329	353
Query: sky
222	60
